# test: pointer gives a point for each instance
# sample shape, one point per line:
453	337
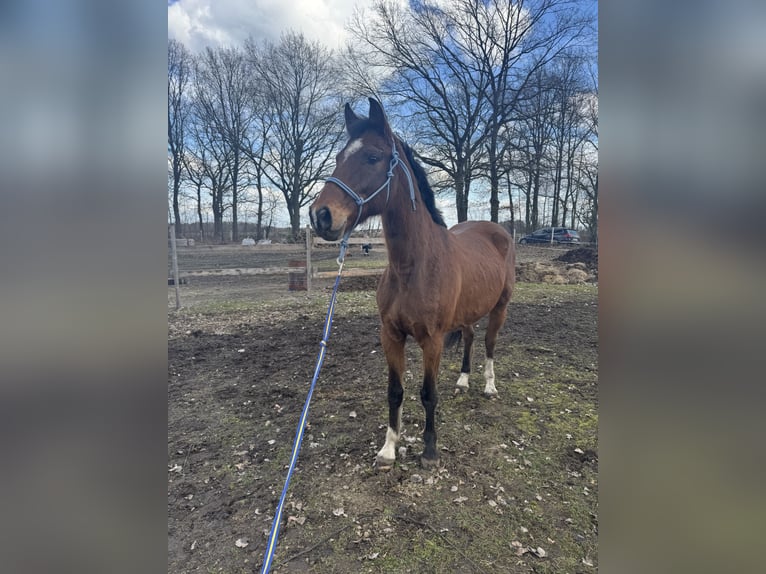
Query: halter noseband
395	160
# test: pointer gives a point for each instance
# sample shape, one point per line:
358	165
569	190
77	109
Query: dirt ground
517	487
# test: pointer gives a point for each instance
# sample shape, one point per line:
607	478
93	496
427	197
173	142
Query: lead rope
274	534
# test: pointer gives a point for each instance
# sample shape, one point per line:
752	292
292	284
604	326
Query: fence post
308	258
172	234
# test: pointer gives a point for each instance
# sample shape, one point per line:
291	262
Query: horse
439	282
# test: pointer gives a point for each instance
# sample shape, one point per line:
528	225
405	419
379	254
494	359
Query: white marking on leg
489	378
351	149
462	382
388	452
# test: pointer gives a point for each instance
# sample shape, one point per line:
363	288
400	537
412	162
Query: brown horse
438	281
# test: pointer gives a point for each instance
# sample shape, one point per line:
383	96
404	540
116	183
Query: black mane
425	188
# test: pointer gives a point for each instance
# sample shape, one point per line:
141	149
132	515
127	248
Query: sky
200	23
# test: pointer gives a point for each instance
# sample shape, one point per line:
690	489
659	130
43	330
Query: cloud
200	23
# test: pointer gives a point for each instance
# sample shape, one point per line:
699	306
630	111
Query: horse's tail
452	339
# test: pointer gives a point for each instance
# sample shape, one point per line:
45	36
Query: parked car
560	235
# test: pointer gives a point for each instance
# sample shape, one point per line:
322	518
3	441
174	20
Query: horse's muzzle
321	220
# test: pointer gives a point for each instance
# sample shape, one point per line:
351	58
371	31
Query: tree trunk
218	214
234	192
510	202
295	218
259	224
199	212
535	197
528	205
461	195
494	178
176	209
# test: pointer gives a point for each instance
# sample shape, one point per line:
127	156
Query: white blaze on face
351	149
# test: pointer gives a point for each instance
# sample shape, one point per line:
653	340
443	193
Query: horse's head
359	185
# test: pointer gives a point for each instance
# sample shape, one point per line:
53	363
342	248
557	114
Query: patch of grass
546	293
513	461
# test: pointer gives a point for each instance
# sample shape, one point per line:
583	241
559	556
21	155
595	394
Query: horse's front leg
393	346
432	350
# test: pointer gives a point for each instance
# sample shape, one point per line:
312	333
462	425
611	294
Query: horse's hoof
491	396
429	463
384	464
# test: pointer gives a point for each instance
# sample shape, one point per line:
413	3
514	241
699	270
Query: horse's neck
412	237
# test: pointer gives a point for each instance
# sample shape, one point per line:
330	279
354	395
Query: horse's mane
425	188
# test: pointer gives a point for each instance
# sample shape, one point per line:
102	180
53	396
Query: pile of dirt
586	255
555	274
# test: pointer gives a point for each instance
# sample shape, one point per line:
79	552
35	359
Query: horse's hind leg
465	370
496	320
393	346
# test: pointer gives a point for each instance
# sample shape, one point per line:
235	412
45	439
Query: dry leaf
241	542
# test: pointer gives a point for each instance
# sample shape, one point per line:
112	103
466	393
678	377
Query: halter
395	160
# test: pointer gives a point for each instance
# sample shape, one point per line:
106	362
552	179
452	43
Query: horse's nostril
324	219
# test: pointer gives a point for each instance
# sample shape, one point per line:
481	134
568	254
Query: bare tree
222	95
421	54
299	83
512	41
535	130
208	159
567	133
255	142
458	69
179	73
194	160
587	168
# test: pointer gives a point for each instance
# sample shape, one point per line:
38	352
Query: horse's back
475	237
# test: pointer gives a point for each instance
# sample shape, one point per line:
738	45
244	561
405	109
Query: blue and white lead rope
274	534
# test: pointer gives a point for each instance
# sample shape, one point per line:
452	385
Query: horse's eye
372	159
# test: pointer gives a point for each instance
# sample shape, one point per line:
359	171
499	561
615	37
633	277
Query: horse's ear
378	116
351	118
